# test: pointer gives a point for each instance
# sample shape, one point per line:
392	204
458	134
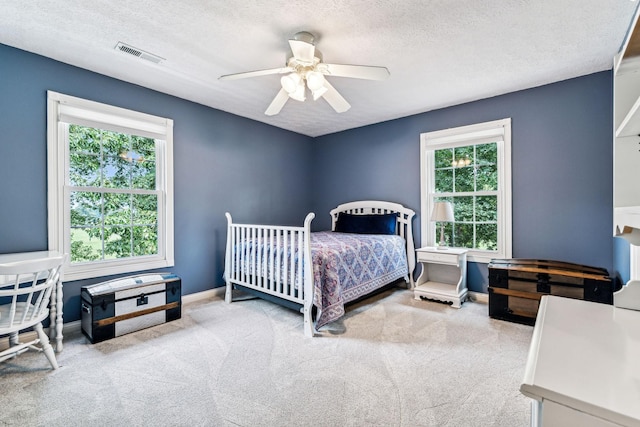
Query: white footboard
275	260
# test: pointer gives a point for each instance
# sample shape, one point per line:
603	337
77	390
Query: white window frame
634	264
63	110
495	131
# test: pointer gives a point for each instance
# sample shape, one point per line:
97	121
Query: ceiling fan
305	70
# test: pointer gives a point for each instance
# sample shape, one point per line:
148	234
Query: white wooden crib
276	260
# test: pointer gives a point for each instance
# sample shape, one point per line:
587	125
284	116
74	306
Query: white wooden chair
25	292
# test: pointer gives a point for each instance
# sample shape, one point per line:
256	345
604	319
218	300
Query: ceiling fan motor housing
304	36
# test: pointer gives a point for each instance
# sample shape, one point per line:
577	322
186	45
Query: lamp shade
442	212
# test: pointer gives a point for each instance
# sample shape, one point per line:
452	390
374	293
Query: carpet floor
391	361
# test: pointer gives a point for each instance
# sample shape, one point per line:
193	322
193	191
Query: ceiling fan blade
335	99
302	51
277	103
354	71
256	73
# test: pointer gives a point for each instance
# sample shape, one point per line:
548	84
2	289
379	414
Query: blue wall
562	167
562	176
222	163
621	260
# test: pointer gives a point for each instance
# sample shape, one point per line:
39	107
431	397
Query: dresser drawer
440	258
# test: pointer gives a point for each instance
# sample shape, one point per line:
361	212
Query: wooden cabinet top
551	267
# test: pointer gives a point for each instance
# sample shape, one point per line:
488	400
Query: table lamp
442	212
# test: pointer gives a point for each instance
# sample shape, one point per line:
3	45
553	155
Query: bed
369	247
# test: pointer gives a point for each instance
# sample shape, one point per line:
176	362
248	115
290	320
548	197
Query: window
110	187
470	167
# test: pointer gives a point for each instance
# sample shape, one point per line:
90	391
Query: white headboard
368	207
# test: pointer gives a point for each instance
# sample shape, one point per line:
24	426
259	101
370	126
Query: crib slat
236	271
256	254
248	254
252	256
259	275
232	256
271	286
254	249
292	269
285	255
278	265
243	252
265	259
301	261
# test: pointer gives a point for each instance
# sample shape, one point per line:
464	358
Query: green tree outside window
113	197
467	177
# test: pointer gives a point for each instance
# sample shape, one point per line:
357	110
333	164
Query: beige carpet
392	361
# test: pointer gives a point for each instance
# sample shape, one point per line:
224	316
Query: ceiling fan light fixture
315	80
298	94
316	84
291	82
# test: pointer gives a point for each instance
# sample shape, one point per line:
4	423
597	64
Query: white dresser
583	367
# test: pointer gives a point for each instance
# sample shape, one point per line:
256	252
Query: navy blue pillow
366	224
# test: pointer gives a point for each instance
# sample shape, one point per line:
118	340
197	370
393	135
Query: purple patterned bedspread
347	266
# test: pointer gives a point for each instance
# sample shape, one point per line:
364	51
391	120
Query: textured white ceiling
439	52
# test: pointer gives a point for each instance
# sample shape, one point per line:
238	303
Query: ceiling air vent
130	50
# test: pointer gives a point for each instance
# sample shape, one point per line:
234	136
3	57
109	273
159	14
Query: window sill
483	258
110	268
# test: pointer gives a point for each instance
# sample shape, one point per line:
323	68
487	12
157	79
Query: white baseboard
209	293
479	297
72	327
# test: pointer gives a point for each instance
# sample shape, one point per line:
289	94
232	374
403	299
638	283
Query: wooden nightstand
443	276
